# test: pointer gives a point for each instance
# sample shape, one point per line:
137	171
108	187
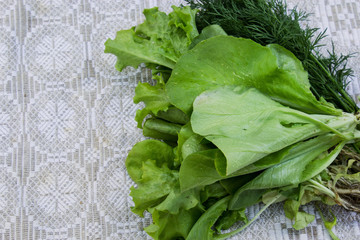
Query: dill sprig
270	21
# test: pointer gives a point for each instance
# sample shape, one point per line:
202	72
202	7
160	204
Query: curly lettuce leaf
167	226
160	40
226	60
155	184
154	98
177	200
148	149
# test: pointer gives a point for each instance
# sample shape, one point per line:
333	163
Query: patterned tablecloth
67	120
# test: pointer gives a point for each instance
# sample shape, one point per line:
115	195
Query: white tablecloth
67	120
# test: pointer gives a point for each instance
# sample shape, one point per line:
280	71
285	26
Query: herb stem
322	188
343	93
356	148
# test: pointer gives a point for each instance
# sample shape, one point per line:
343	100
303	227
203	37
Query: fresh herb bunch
209	159
270	21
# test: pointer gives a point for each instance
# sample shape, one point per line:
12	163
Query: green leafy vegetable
160	40
302	219
160	129
149	149
270	21
198	169
255	126
235	61
154	98
289	173
155	184
202	228
206	33
236	120
169	226
329	225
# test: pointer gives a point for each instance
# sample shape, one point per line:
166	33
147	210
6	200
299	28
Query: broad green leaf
234	183
160	129
167	226
226	61
246	125
148	150
288	173
229	218
160	40
302	219
202	228
177	200
283	155
316	166
297	170
154	98
173	115
208	32
215	190
198	169
155	184
185	133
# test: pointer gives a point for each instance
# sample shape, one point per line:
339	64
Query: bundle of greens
269	21
230	123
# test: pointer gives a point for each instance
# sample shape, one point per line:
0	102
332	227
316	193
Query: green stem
356	148
322	188
345	105
343	93
227	235
318	122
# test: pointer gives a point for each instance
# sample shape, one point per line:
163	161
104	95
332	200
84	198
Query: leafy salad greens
230	122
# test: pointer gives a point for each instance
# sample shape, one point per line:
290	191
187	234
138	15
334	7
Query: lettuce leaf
256	126
149	149
155	184
293	212
160	40
202	228
154	98
226	60
290	173
167	226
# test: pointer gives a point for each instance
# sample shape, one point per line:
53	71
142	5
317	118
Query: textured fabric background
66	120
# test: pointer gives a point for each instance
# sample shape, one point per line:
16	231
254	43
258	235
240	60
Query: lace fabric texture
67	121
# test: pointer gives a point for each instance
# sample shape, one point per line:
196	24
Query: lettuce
230	61
256	125
236	123
160	40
